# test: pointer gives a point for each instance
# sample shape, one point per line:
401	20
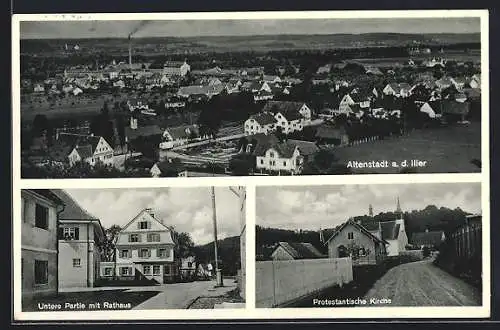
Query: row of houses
367	243
63	246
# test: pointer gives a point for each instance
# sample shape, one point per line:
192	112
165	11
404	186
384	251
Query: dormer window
143	225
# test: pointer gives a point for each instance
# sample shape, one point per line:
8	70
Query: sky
186	209
314	207
187	28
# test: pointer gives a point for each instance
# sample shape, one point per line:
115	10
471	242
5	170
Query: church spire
398	207
370	210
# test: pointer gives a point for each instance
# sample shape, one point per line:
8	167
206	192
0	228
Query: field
66	106
463	56
446	150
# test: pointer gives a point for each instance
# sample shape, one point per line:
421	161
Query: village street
169	296
180	295
423	284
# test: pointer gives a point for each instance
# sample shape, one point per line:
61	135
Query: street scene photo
246	97
122	249
370	245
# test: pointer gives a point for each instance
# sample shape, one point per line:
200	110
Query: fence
467	241
461	254
280	282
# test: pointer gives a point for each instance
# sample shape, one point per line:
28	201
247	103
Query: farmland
449	149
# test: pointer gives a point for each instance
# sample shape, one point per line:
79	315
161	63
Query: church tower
370	210
398	208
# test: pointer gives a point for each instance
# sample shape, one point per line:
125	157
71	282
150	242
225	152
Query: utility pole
219	279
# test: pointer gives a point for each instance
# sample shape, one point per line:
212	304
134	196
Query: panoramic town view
369	245
113	99
122	249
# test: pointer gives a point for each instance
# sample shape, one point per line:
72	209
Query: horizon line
255	35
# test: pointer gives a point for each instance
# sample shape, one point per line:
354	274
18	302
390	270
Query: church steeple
370	210
398	208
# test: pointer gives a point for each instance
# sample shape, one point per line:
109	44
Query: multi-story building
88	148
144	250
39	212
80	239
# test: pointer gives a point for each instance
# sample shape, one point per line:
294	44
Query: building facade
144	251
80	238
39	250
353	240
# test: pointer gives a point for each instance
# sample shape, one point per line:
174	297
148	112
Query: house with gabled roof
180	135
260	123
296	251
287	157
144	250
88	148
362	99
80	239
398	89
431	239
353	240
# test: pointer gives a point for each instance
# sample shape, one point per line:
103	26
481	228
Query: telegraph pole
217	269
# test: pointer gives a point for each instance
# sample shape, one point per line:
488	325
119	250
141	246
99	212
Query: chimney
129	52
150	211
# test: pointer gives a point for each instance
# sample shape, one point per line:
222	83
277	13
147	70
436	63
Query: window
350	235
23	209
124	254
76	263
166	270
41	217
271	154
146	269
163	253
262	161
154	237
143	225
156	269
144	253
71	233
108	271
125	271
190	264
284	163
41	272
133	238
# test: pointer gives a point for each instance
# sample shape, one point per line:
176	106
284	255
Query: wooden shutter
139	225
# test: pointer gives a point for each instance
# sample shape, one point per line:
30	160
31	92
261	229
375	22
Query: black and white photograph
104	98
123	249
370	245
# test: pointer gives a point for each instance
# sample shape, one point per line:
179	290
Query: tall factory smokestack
129	52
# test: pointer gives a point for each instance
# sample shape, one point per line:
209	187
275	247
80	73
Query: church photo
369	245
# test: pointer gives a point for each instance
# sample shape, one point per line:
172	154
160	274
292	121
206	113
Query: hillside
431	217
228	253
255	43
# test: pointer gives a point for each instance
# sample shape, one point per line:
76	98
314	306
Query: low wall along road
280	282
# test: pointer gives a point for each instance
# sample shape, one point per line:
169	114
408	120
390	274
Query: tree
242	164
183	243
108	247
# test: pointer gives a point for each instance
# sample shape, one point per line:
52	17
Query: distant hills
431	217
261	42
228	250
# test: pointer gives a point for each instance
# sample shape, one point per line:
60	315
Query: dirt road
423	284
